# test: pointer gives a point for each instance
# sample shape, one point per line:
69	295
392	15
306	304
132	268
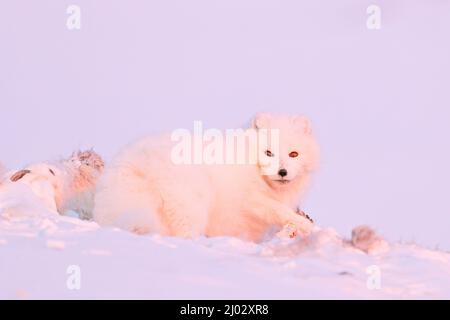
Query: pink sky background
379	100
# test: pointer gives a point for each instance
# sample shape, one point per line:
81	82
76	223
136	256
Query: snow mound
44	255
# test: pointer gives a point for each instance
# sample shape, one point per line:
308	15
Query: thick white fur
62	186
144	192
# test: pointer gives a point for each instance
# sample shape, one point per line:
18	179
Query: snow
41	252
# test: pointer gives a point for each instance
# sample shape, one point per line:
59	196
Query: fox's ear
19	175
303	123
260	120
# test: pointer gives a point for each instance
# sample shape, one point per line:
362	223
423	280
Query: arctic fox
144	191
60	186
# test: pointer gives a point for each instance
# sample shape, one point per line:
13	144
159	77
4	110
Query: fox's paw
302	228
288	231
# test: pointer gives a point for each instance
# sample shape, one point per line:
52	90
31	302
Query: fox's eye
269	153
293	154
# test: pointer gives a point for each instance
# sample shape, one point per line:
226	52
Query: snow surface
39	248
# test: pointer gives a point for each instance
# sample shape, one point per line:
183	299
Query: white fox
143	191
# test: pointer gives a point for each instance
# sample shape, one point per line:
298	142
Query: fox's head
292	153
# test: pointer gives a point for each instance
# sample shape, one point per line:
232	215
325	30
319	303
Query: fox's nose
282	172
